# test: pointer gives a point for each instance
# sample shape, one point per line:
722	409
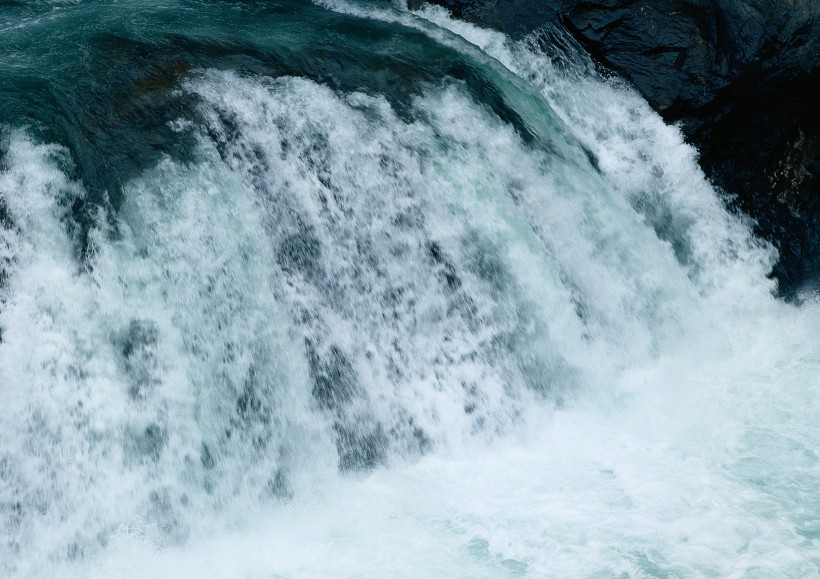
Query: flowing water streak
333	282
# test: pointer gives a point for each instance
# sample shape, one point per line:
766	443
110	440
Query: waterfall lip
540	120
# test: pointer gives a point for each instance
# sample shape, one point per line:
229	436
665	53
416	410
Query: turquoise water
341	290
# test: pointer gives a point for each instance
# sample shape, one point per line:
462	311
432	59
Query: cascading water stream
293	289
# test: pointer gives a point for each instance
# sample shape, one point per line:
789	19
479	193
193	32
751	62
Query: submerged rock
740	77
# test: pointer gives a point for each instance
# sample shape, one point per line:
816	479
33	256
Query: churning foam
330	286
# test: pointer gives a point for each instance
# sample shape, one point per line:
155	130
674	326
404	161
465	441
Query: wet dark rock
742	78
739	76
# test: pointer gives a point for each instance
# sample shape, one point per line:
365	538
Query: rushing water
296	289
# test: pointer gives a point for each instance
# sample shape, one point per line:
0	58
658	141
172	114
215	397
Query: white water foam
450	287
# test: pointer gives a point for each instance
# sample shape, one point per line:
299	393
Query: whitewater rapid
494	322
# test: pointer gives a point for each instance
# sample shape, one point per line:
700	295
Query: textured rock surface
740	76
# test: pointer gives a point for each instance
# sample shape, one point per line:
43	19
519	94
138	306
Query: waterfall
340	289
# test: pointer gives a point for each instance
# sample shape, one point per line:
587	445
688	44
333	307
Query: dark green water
98	77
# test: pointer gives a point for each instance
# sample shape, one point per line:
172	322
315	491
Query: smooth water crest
338	289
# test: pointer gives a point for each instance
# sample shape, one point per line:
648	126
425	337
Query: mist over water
341	290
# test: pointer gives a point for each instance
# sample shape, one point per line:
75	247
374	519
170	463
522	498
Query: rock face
742	77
